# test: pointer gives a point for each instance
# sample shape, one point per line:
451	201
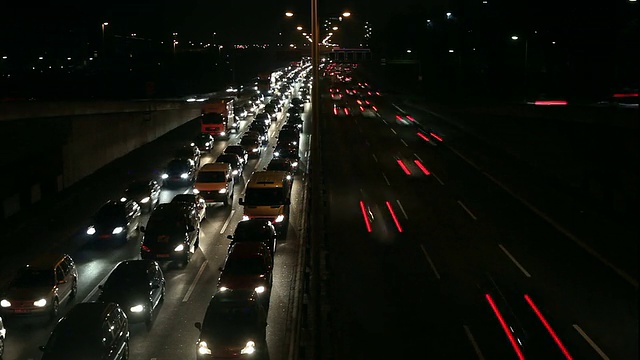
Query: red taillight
422	167
423	136
359	101
394	217
410	118
335	111
365	216
145	248
624	95
404	167
544	321
550	102
398	117
435	136
505	327
374	108
361	108
346	111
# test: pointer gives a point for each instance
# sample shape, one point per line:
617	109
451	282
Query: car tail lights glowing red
423	136
550	102
365	216
404	167
505	327
422	167
555	337
393	216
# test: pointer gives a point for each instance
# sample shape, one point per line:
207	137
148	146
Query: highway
432	253
172	335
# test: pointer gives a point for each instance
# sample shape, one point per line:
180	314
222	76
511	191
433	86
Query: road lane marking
628	278
591	342
385	179
402	209
476	348
226	223
195	281
393	131
95	289
437	178
405	144
467	210
433	267
374	157
526	273
464	158
418	157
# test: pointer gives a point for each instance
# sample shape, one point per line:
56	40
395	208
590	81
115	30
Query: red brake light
550	102
361	108
346	111
625	95
145	248
374	108
335	111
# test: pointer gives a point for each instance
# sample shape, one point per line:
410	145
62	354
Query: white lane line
402	209
226	223
433	267
526	273
405	144
393	131
95	289
464	158
467	210
418	157
473	342
374	157
437	178
367	143
385	179
195	281
568	234
591	343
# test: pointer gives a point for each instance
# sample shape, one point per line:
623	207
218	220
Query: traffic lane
487	194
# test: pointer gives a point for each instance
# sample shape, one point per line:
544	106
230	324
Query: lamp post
526	65
103	25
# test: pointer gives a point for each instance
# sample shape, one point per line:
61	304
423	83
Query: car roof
87	313
237	295
46	261
245	250
215	166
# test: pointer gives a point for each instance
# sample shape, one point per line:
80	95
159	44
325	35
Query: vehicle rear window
212	118
211	176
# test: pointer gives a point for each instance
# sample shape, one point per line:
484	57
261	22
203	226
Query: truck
218	119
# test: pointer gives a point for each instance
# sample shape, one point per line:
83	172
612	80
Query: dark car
234	325
179	172
116	220
264	118
286	151
237	166
341	109
272	110
90	330
282	164
204	142
296	121
238	150
293	111
298	102
290	127
291	136
195	199
172	233
252	145
138	286
260	127
145	192
189	152
248	265
255	230
240	112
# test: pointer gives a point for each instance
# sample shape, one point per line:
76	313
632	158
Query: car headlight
222	133
222	191
91	230
196	191
234	172
245	217
184	175
279	218
5	303
294	164
164	176
294	142
145	200
123	199
260	289
193	144
179	248
117	230
288	177
249	348
276	153
40	303
255	150
223	288
137	308
203	348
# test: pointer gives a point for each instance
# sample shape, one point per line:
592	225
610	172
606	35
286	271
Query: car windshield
211	176
109	213
178	166
228	158
165	225
244	266
249	141
28	277
184	153
212	118
283	166
126	277
229	314
248	231
137	187
75	340
265	196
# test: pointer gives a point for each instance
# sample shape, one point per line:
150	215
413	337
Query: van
90	330
215	183
268	196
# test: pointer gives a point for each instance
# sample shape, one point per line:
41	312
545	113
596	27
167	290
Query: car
293	111
238	150
368	110
40	287
204	142
255	230
272	110
290	127
234	325
90	330
172	233
248	265
196	199
282	164
296	121
240	112
189	152
138	286
252	144
260	127
289	136
3	334
237	167
341	109
116	220
145	192
287	151
402	118
263	117
253	133
179	172
298	102
336	94
215	183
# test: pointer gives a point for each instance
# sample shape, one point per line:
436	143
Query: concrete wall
81	137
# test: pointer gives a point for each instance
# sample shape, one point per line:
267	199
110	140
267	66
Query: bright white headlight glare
255	150
5	303
40	303
223	288
260	289
193	144
295	163
117	230
196	191
184	176
123	199
245	217
179	248
91	230
203	348
145	200
249	348
222	133
288	177
279	218
137	308
276	153
234	172
164	176
222	191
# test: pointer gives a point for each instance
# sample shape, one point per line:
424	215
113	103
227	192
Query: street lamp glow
514	37
409	51
346	14
450	50
288	14
105	23
304	33
299	28
334	28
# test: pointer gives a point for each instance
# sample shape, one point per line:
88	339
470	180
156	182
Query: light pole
103	25
526	66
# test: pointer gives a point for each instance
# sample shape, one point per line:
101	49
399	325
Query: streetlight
288	14
299	28
526	60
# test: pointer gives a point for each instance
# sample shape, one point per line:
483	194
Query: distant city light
514	37
288	14
4	57
40	58
408	51
450	50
